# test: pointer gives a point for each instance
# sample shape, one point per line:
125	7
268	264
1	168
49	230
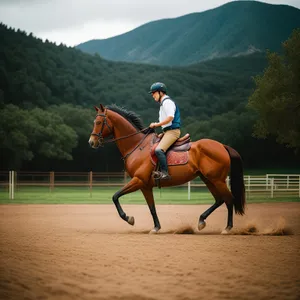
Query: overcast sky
75	21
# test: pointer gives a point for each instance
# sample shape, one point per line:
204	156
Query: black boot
161	156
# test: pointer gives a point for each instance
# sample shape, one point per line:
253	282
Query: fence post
189	190
51	181
11	185
91	182
272	187
14	177
249	184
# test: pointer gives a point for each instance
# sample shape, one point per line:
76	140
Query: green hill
236	28
47	94
37	74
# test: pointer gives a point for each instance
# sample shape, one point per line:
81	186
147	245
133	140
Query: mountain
234	29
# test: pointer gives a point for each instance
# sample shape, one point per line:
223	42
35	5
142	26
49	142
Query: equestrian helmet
158	86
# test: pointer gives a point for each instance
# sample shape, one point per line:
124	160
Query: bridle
101	138
99	135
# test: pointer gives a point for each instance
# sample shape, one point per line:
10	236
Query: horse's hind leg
227	197
148	194
218	203
229	218
221	194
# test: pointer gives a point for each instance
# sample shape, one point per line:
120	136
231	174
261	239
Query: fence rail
269	185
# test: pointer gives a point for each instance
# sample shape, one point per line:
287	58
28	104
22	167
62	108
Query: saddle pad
173	158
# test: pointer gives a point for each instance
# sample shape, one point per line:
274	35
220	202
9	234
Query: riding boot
162	159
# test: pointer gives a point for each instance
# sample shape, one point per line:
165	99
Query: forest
48	91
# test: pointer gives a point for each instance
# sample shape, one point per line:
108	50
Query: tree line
47	94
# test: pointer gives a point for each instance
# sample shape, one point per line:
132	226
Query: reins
102	141
127	136
146	134
123	137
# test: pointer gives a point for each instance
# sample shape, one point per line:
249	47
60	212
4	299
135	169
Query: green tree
276	98
78	118
27	133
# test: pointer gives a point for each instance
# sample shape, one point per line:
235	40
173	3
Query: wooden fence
269	185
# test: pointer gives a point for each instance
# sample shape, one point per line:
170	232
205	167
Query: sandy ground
88	252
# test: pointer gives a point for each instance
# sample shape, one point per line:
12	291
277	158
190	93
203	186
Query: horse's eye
98	122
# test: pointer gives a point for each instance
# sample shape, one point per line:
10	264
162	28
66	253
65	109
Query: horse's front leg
133	185
148	194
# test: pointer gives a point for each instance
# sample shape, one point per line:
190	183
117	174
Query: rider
169	120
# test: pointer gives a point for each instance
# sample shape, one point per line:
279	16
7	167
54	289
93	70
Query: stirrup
165	176
161	175
156	174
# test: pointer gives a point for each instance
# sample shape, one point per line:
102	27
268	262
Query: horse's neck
122	129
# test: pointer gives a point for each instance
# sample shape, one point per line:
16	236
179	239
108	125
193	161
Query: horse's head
101	128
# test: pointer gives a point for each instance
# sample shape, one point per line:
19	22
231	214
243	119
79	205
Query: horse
211	160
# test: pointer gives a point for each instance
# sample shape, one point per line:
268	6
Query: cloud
75	21
88	31
43	15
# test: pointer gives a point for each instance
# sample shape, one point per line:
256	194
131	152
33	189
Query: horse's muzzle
94	143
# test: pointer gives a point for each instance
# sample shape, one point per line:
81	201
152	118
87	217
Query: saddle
182	144
177	154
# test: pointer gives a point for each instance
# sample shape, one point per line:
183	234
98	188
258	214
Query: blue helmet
158	86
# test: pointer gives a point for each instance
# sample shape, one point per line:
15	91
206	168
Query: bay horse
209	159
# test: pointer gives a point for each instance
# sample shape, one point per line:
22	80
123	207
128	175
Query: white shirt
167	109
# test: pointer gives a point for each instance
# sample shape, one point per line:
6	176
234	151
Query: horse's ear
101	107
96	108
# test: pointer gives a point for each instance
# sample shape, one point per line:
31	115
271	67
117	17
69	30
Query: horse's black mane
131	116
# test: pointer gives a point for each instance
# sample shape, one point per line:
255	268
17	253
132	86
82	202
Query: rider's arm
165	121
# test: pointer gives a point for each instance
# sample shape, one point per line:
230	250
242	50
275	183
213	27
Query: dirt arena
88	252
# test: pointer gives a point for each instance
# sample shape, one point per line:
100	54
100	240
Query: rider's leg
167	140
162	159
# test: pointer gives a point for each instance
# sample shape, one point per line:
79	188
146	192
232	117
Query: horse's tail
237	180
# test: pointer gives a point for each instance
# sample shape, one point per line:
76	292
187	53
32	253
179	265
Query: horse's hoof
201	225
130	220
154	230
226	230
